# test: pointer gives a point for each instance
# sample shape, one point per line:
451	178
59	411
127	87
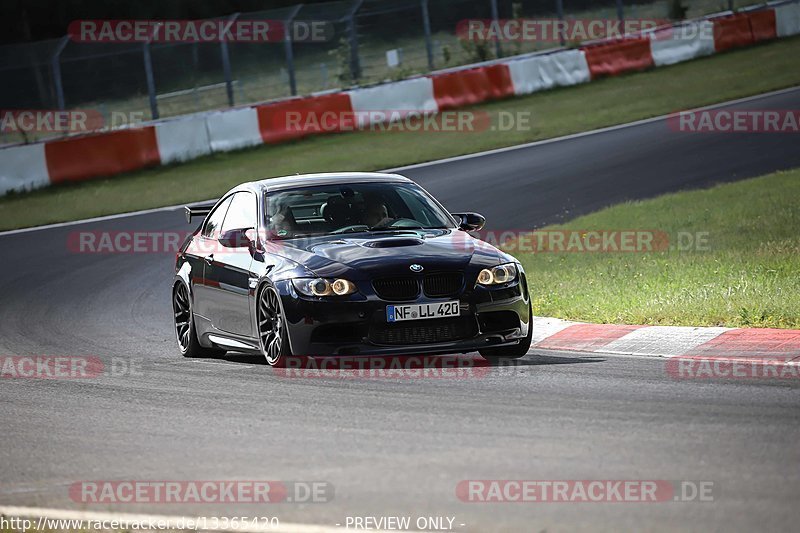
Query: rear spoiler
197	211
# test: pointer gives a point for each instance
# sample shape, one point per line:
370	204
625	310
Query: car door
227	274
200	254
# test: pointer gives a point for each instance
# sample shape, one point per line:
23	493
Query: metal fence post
151	84
426	24
287	44
620	11
55	65
496	18
560	12
226	61
355	65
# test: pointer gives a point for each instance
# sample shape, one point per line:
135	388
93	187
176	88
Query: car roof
322	178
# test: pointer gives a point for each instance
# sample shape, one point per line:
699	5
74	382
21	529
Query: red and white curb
668	341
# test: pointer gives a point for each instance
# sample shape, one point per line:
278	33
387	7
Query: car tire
185	331
272	332
514	351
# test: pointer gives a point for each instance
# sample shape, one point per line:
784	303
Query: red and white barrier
414	95
96	156
787	19
189	137
465	87
762	24
300	117
616	57
23	167
233	129
744	29
681	43
542	72
732	32
182	139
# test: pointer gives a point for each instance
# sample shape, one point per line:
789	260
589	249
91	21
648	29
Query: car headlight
498	275
324	287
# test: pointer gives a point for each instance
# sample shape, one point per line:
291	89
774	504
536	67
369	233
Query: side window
242	212
214	220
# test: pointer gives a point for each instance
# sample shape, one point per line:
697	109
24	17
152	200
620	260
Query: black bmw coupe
344	264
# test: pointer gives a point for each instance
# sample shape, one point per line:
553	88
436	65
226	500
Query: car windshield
352	208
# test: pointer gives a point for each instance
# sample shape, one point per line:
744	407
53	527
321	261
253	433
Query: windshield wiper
406	228
296	236
352	229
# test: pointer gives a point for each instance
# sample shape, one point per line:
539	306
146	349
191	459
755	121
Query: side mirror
236	238
470	221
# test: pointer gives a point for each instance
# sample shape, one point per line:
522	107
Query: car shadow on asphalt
537	359
413	362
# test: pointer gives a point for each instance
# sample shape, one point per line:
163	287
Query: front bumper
358	325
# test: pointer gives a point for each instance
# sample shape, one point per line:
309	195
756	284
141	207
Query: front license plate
398	313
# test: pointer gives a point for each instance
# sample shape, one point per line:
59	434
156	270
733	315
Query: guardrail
181	139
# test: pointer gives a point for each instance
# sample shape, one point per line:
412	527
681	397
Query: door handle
209	258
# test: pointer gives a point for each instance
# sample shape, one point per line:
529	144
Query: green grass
748	275
553	113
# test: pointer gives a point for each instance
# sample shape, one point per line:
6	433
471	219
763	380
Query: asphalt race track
399	446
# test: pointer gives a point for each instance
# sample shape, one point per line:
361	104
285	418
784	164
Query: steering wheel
403	223
347	229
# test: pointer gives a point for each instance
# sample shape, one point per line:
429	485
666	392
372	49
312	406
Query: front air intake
439	285
396	289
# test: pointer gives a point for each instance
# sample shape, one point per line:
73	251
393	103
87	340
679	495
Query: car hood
370	255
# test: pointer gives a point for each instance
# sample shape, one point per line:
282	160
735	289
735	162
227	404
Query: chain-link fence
362	42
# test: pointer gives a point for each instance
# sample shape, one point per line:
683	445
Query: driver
282	223
375	212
